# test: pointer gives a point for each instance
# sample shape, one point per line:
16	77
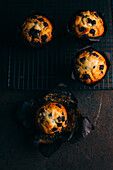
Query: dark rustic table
16	152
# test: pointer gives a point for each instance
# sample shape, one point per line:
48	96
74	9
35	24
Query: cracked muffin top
88	24
52	118
90	67
37	30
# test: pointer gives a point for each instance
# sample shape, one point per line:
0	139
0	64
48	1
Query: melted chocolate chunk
33	33
86	76
45	24
84	16
59	119
95	55
54	129
50	114
92	31
96	14
59	105
63	113
36	22
101	67
93	67
89	20
44	38
63	118
40	19
59	124
82	59
81	29
93	22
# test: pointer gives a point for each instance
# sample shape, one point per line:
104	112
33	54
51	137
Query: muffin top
90	67
88	24
37	30
52	118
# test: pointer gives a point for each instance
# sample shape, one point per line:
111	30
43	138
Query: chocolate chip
101	67
82	59
63	113
58	105
42	110
84	16
93	22
102	72
54	129
59	119
95	55
63	118
96	14
89	20
59	124
92	31
50	114
34	33
45	24
66	122
93	66
81	29
44	38
86	68
40	19
36	22
86	76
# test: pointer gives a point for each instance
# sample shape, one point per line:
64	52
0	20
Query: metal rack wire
43	69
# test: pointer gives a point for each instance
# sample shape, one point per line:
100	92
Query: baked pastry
36	30
90	66
52	118
88	24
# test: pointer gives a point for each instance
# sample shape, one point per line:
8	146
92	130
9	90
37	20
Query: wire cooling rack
43	69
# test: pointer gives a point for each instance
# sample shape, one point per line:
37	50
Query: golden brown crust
88	23
90	67
52	118
37	30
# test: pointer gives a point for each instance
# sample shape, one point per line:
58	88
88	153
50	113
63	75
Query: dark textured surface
16	151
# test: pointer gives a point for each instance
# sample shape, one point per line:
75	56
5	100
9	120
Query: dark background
16	152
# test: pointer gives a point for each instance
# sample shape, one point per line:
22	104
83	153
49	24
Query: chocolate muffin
88	24
89	67
36	30
52	118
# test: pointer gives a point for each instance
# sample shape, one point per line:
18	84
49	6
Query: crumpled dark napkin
28	109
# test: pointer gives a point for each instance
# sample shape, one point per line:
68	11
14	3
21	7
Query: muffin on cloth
52	118
88	24
36	30
89	67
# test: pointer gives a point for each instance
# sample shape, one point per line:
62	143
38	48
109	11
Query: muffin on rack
88	24
90	66
52	118
36	31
